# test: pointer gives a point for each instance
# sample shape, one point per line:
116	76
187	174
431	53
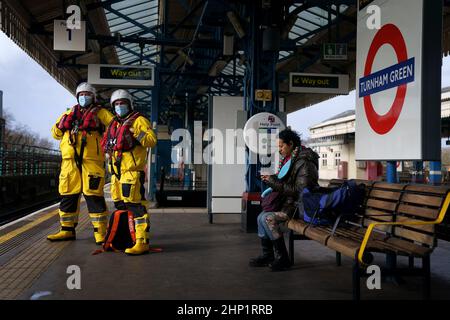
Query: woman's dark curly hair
289	136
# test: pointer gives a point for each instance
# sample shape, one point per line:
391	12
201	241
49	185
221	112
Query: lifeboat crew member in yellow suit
126	141
83	164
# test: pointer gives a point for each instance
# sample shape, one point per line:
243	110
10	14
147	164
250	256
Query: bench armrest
369	230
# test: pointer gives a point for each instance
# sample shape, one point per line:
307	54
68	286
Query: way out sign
65	39
398	81
121	75
318	83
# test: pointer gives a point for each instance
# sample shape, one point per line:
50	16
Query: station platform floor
199	261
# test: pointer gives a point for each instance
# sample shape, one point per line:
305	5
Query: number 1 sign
66	39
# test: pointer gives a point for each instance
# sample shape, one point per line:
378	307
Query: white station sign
65	39
389	115
260	133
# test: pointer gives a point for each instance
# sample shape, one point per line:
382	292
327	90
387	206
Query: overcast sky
35	99
30	94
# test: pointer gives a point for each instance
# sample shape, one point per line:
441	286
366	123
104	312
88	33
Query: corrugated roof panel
128	18
307	23
133	16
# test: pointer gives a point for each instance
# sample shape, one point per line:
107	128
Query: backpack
323	208
120	233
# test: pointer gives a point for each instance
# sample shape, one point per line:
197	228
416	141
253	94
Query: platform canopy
184	40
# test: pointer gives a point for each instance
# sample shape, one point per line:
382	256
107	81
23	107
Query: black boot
267	256
282	261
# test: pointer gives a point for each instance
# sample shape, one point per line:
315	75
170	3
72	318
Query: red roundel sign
388	34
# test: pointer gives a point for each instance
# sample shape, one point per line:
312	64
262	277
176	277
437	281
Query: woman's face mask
121	109
85	101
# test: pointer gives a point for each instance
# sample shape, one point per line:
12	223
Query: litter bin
251	208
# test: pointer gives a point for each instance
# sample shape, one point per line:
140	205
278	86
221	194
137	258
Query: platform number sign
69	39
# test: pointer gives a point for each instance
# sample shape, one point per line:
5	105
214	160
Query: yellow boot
99	221
142	225
67	232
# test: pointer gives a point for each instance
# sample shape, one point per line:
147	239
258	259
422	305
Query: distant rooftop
342	115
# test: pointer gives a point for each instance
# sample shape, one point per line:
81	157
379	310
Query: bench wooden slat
380	204
388	186
297	225
414	236
382	194
320	234
347	247
424	200
358	234
419	211
406	247
366	182
441	190
383	228
380	218
425	228
375	212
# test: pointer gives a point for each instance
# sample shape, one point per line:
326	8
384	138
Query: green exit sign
335	51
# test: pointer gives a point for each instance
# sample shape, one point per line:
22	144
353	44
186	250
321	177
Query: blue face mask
85	101
121	109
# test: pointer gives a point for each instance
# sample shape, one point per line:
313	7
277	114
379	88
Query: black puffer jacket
303	173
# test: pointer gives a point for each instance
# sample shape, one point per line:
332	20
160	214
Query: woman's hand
265	177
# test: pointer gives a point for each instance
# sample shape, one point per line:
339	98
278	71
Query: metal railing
174	184
24	160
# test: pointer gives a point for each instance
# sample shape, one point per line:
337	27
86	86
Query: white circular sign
261	132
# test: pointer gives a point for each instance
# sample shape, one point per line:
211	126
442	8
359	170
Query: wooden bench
396	220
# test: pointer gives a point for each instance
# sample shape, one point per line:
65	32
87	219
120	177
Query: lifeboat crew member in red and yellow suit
83	164
126	141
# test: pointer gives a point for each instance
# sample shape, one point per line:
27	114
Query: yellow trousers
89	182
128	193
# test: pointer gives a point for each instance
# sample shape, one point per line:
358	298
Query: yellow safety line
403	223
28	226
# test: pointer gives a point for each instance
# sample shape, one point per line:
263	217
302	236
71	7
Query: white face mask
85	101
121	109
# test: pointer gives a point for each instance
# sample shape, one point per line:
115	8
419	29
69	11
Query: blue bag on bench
323	208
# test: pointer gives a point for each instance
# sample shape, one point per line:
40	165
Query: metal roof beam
187	17
136	54
341	16
160	41
313	32
111	40
311	22
101	4
75	56
121	15
139	60
145	16
134	12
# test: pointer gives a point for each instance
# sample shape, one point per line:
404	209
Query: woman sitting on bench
299	166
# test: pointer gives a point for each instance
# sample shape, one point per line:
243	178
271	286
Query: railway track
11	214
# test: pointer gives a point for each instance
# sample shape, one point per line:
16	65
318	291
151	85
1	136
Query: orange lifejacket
84	121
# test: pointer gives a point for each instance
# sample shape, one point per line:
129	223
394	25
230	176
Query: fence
24	160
